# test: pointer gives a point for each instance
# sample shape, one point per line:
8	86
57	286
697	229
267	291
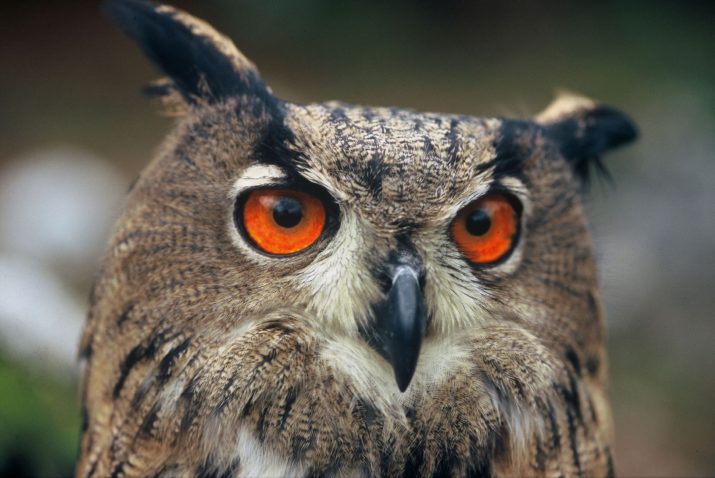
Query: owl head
405	248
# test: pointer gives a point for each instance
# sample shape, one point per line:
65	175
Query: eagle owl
337	290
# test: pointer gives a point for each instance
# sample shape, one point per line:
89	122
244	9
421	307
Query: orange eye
282	221
485	230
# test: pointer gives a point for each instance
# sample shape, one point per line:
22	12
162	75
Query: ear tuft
585	130
203	65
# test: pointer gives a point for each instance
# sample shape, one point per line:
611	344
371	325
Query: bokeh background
74	131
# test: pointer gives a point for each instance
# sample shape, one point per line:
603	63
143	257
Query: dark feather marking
369	413
553	424
584	137
454	146
592	365
446	463
265	359
572	396
317	473
572	358
565	393
404	225
277	145
149	421
167	362
329	470
480	468
489	281
498	441
287	406
247	407
191	407
510	154
118	469
93	468
373	175
368	114
228	397
126	313
231	380
415	460
297	445
387	456
299	442
84	419
610	471
138	354
504	166
192	61
205	471
86	352
278	326
310	442
114	447
427	146
540	456
261	424
572	440
364	419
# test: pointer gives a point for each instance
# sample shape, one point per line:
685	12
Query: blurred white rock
58	207
40	318
56	210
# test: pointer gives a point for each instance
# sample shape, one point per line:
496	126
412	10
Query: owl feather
337	290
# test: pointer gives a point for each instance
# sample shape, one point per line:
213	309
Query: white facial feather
337	285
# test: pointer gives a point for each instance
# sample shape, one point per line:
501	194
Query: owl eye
281	221
485	231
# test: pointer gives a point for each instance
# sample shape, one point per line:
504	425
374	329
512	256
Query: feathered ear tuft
202	65
584	130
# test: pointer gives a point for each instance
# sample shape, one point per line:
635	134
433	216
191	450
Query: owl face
390	191
397	190
345	288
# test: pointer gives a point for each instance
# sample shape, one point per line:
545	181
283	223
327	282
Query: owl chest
353	421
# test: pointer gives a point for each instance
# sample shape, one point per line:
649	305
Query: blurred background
74	131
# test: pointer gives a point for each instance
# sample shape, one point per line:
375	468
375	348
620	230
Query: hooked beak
400	322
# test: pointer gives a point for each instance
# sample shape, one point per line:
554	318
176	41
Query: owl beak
401	324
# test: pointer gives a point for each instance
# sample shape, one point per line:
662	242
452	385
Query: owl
337	290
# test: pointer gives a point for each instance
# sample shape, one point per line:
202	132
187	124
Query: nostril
403	256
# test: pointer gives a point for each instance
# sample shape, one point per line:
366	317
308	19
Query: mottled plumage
205	357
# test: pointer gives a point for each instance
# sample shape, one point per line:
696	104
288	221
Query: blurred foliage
69	77
38	424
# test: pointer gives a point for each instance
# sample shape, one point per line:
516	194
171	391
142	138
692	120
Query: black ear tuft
201	63
584	131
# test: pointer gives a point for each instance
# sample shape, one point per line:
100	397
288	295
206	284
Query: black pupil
287	212
478	222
